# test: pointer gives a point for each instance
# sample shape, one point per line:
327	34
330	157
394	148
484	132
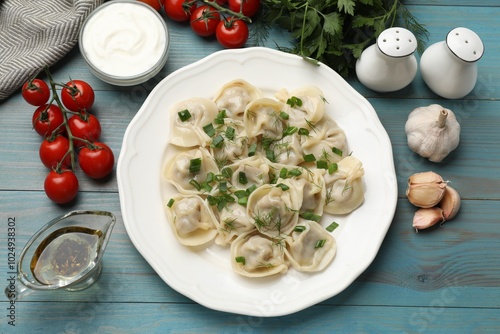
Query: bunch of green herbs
334	32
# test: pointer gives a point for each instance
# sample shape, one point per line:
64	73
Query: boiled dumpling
187	120
262	118
234	144
180	174
193	222
253	170
310	247
233	221
275	208
234	97
344	187
304	106
255	255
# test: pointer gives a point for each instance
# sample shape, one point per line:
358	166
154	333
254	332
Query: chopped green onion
206	187
309	158
230	131
184	115
223	187
195	184
309	215
337	151
322	164
195	165
283	186
320	243
212	200
240	259
332	168
295	172
267	142
284	115
283	173
242	178
219	119
227	172
241	193
299	228
171	202
218	141
210	177
332	227
270	155
243	201
290	131
251	189
252	149
303	132
209	130
294	101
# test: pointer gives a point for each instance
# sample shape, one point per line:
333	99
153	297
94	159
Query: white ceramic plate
205	275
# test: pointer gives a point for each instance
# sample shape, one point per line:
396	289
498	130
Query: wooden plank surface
444	280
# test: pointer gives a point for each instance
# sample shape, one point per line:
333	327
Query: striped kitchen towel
35	33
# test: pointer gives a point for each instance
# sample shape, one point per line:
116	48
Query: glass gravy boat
65	254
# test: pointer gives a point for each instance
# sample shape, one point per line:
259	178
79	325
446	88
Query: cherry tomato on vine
84	126
246	7
46	119
53	151
153	3
232	33
204	20
96	160
77	95
36	92
61	186
179	10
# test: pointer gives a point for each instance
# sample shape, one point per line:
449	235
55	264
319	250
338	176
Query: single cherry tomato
46	119
153	3
246	7
204	20
77	95
232	33
53	151
96	160
36	92
84	126
179	10
61	186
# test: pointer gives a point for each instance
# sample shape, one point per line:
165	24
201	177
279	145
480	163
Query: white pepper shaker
449	67
390	64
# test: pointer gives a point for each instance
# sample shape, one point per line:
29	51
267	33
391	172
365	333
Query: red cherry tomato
232	33
179	10
153	3
204	20
54	151
36	92
246	7
85	126
77	95
96	160
61	186
46	119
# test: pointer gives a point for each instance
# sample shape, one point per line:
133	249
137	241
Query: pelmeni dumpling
254	170
262	118
288	150
178	173
193	222
310	247
234	97
344	188
255	255
307	108
275	208
187	129
233	221
313	190
325	136
235	143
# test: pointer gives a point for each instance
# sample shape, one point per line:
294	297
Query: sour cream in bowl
124	42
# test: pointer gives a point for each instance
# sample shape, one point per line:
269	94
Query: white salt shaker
390	64
449	67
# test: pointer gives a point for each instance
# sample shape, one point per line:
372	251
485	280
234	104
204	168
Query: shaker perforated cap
465	44
397	42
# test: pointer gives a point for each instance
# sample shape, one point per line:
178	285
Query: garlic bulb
426	189
432	132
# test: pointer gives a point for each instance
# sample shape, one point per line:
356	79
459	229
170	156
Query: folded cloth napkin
36	33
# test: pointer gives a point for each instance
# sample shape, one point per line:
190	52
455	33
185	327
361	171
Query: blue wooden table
446	280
